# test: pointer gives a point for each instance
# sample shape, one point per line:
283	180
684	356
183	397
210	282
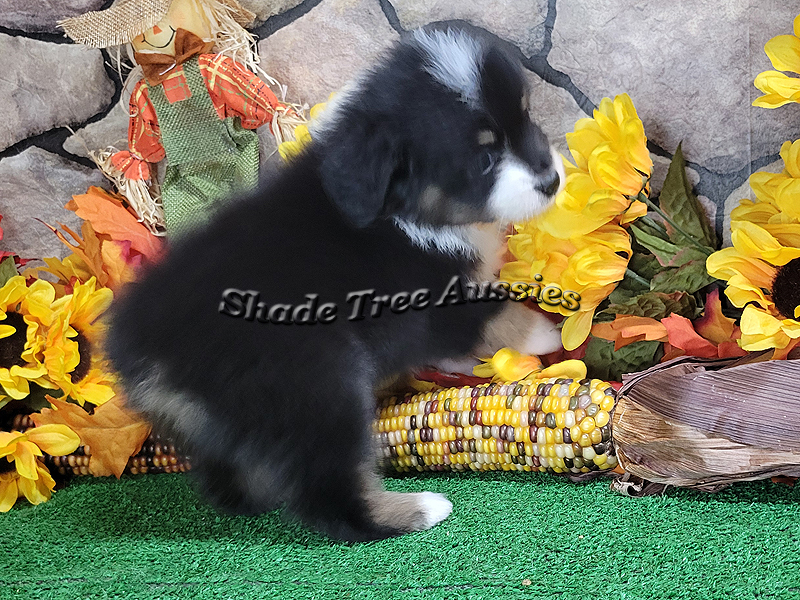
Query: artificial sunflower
763	266
612	169
70	355
784	54
581	271
578	245
509	365
23	474
19	335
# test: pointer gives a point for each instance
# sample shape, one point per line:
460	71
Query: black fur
290	406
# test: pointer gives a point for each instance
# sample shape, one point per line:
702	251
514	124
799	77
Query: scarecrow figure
198	104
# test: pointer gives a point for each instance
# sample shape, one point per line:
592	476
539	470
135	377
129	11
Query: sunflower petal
784	53
576	329
572	368
25	460
55	439
761	330
9	492
754	241
35	490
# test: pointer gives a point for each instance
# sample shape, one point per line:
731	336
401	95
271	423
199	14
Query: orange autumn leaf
627	329
113	433
119	271
87	249
790	351
682	335
713	325
109	216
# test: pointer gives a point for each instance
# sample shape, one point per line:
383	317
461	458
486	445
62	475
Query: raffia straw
231	39
141	197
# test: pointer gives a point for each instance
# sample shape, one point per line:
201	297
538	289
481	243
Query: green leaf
603	362
7	270
679	202
645	265
655	305
689	277
687	255
37	399
663	250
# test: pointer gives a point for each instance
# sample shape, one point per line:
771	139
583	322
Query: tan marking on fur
486	137
489	240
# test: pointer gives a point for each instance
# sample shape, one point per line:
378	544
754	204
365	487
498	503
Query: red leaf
682	335
713	325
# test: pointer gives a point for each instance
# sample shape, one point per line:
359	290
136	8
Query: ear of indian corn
549	425
157	455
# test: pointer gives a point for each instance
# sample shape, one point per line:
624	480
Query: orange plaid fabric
234	91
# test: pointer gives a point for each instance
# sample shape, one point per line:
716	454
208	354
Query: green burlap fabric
208	159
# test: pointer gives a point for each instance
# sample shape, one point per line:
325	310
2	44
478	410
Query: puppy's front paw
521	328
543	337
435	509
462	365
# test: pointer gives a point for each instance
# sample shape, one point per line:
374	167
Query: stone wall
688	66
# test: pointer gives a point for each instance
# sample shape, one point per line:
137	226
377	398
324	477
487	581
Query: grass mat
510	536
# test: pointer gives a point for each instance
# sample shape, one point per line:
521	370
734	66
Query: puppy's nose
549	183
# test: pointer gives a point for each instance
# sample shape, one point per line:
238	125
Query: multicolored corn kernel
548	425
157	455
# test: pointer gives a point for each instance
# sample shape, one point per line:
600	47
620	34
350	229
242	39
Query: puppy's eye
487	161
487	137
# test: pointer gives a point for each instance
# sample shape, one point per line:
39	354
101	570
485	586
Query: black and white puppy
260	340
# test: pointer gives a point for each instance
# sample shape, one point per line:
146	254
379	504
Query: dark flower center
786	288
5	466
11	347
85	361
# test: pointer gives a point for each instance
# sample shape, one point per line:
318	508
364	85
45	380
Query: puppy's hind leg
330	473
405	512
355	507
230	488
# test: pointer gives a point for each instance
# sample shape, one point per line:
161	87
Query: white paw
436	507
543	336
462	365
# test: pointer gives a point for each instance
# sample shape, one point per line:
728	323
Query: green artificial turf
510	536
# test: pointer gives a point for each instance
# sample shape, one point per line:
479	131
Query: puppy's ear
503	89
357	166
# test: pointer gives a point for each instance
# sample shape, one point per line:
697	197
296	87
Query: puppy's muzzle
549	183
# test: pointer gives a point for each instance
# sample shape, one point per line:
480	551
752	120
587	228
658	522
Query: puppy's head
439	134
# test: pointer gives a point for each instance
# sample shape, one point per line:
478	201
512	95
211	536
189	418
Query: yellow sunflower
581	271
763	266
19	336
509	365
578	245
784	54
612	168
71	353
23	474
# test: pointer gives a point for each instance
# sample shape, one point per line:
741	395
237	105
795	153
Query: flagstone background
687	65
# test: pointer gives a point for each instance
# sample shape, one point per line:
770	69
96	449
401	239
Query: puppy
258	342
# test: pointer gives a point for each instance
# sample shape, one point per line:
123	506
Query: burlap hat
126	19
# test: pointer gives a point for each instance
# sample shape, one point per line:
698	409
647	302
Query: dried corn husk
708	423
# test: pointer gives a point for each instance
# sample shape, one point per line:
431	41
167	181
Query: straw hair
128	18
